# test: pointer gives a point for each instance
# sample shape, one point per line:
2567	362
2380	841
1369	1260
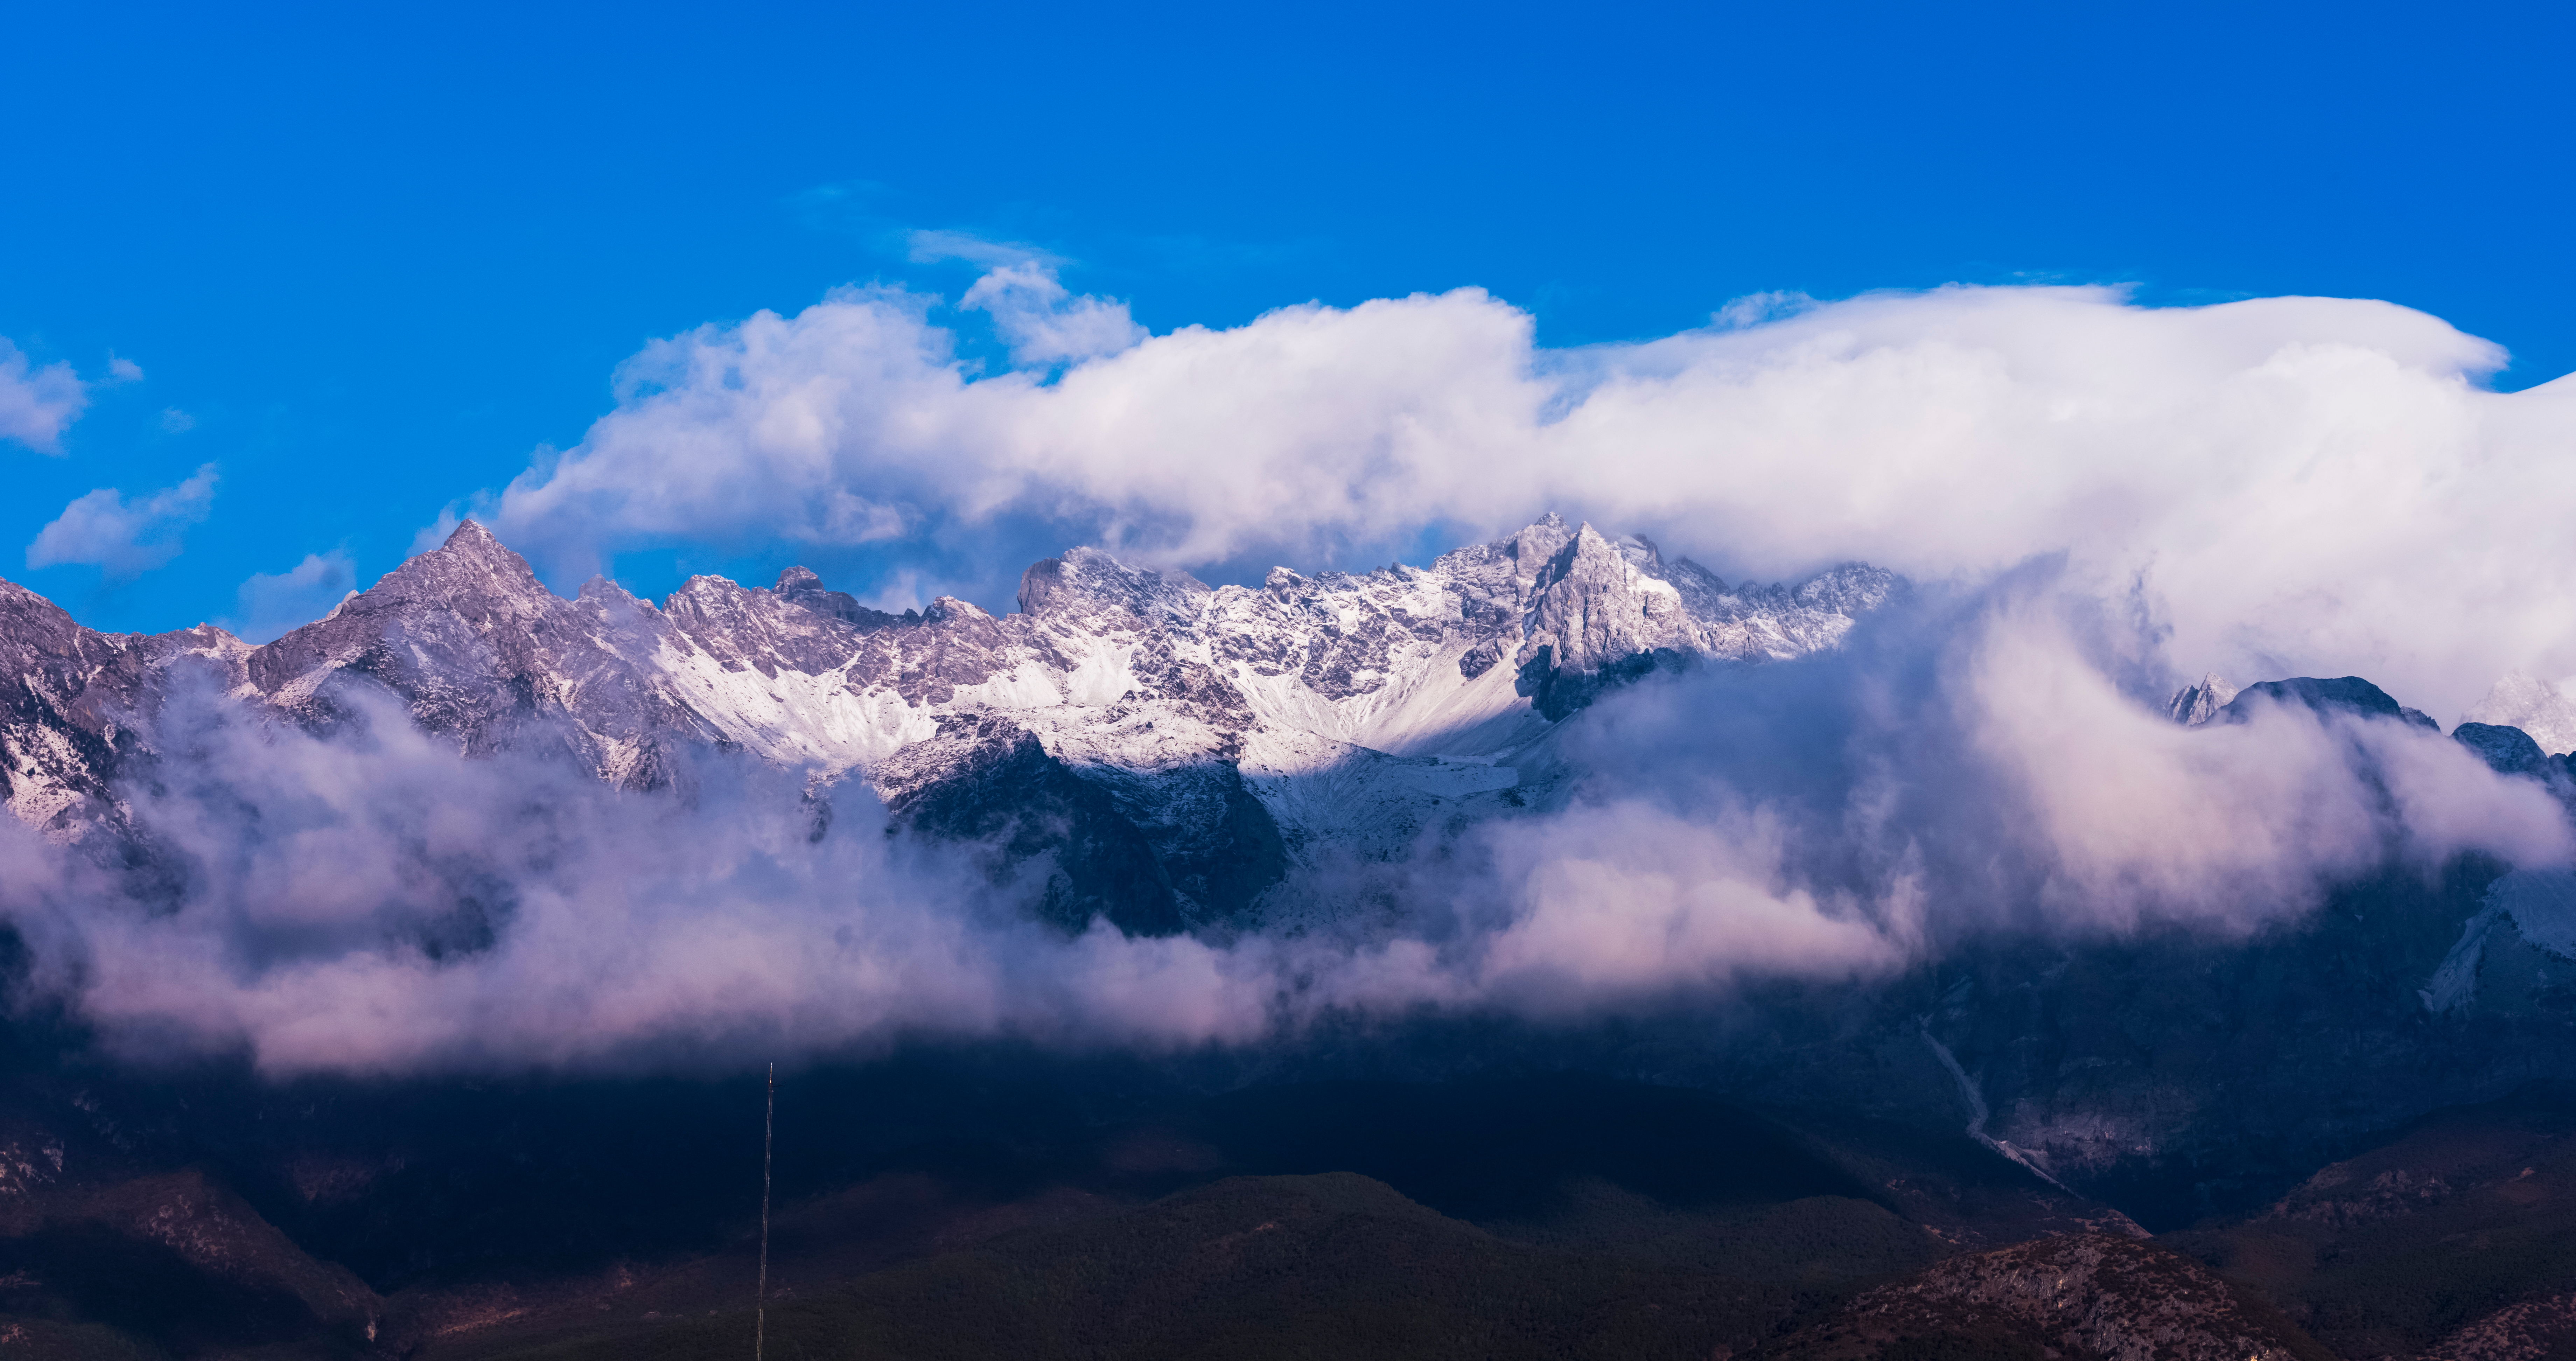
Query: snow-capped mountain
1176	745
2539	708
2194	705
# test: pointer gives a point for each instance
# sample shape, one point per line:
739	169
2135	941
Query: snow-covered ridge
1346	705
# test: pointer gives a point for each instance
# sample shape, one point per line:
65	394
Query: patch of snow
2194	705
2537	905
2542	904
2543	710
2455	982
1977	1112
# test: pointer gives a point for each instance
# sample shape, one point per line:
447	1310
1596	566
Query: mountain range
1176	747
1967	1154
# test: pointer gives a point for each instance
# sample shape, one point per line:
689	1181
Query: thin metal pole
768	1136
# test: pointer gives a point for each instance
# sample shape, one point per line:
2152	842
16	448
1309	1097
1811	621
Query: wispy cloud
38	404
124	538
933	245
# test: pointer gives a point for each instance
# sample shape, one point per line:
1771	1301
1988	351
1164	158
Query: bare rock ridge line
1176	745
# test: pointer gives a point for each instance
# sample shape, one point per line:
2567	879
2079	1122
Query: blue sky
367	263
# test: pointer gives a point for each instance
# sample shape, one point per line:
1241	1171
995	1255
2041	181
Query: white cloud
274	603
932	245
37	404
1043	324
2293	484
177	422
126	539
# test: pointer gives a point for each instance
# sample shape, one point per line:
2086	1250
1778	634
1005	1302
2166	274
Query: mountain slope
2081	1297
1328	1265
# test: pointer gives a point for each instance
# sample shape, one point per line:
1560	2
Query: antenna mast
768	1138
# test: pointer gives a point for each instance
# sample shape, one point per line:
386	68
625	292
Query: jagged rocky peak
473	577
1592	610
800	586
1087	582
464	635
1594	604
1504	572
471	564
36	634
2194	705
473	580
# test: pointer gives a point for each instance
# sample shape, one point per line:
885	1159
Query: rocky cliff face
1174	746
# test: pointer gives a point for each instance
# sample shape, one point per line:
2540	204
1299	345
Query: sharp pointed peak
471	554
470	536
471	542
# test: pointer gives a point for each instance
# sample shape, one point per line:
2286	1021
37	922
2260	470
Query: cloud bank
2289	484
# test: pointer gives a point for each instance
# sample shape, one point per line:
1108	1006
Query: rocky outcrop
2080	1297
2534	1330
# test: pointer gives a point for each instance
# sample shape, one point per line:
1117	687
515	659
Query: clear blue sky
378	255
